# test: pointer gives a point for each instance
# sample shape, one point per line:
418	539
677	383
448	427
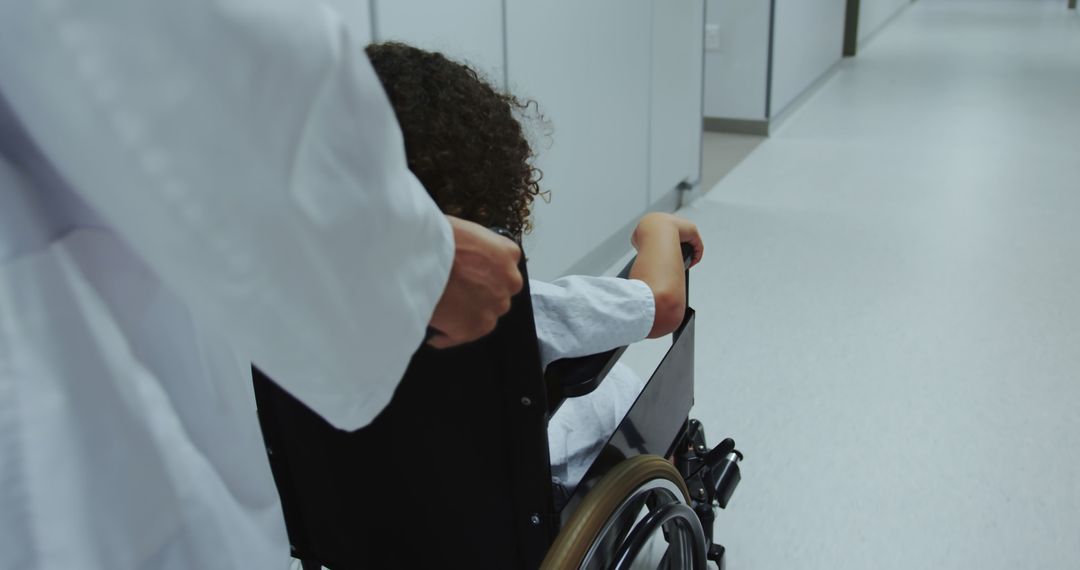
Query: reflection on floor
722	152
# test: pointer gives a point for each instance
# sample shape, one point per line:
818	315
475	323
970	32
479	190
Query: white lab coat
186	187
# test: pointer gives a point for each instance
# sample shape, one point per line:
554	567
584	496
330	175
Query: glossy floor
889	310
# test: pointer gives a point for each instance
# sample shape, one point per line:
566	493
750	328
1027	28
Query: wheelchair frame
324	474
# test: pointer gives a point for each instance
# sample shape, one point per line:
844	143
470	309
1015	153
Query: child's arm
658	238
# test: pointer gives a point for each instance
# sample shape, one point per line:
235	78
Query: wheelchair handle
433	332
687	255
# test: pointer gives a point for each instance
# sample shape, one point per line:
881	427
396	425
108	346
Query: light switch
712	37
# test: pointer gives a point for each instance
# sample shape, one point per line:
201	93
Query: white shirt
187	187
579	316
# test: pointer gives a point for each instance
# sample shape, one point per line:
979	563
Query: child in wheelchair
463	141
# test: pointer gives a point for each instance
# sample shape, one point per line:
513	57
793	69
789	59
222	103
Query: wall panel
675	115
808	39
587	63
736	72
469	30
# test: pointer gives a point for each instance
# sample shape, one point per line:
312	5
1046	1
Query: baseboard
690	195
759	127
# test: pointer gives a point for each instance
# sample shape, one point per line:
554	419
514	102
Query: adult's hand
482	281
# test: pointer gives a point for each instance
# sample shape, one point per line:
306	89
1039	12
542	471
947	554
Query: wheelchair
455	471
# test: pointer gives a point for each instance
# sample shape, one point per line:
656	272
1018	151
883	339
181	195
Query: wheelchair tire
604	503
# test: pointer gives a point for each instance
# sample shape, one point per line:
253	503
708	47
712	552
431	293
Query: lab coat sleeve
246	150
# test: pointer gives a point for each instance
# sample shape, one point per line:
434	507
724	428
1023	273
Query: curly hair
462	139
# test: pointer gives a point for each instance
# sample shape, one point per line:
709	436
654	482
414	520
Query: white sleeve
245	149
580	315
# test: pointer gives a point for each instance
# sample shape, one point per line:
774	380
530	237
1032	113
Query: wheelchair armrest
581	375
575	377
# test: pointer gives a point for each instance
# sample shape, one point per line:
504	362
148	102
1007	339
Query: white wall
736	74
619	82
808	39
675	138
587	63
357	16
874	13
469	30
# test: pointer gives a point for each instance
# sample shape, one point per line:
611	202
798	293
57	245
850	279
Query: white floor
889	308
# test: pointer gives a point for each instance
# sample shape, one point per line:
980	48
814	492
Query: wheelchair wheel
637	516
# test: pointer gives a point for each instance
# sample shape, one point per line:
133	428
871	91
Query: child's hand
660	265
661	222
688	233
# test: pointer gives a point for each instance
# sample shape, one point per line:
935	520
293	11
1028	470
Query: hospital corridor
889	315
495	284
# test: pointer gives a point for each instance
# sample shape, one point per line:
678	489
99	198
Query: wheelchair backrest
454	471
